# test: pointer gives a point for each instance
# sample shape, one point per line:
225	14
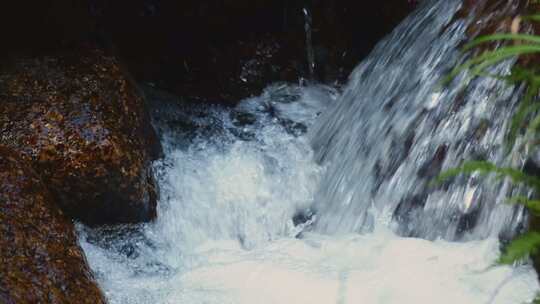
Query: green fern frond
521	248
532	205
484	168
467	168
531	18
502	37
489	58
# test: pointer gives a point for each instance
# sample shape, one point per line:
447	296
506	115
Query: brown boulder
85	129
40	260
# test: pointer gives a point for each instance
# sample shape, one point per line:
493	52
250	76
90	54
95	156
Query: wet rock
433	167
242	119
407	210
126	239
303	221
534	225
501	16
40	260
481	129
243	135
468	221
239	69
302	217
83	126
294	128
491	16
532	165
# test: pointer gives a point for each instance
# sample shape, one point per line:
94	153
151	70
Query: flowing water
306	194
395	128
308	27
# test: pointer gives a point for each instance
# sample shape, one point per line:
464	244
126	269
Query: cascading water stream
251	213
394	129
308	27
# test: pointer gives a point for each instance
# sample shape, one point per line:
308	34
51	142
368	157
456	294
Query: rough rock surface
83	126
40	260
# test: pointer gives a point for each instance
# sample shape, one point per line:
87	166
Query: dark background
214	50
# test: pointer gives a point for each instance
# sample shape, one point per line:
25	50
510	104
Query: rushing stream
306	194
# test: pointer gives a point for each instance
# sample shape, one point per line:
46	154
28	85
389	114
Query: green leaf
532	205
484	167
531	17
467	168
501	37
521	248
490	58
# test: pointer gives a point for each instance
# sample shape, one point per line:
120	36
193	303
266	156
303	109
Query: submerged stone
84	127
40	260
242	119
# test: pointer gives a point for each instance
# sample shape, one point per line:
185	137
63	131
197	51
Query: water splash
394	129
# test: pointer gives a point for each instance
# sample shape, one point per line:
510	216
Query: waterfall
313	195
395	128
308	27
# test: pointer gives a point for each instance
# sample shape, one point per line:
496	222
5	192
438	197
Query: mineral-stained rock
83	126
40	260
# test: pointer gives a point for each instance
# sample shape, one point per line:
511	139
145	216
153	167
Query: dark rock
497	16
385	168
85	129
303	217
481	129
293	128
243	134
433	167
532	164
468	221
409	204
242	119
126	239
40	260
491	16
304	220
534	225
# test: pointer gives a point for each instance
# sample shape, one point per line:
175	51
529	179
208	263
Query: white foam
225	234
371	269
